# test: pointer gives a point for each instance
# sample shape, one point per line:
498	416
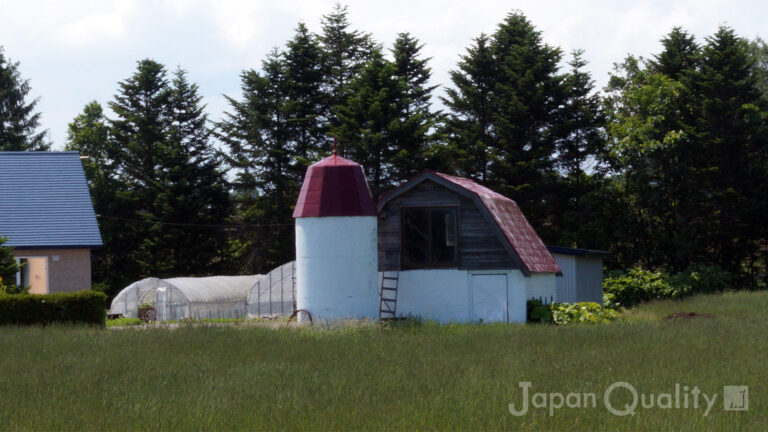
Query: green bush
565	313
538	312
581	313
86	307
638	285
703	279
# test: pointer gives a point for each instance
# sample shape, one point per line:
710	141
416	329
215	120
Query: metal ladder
388	294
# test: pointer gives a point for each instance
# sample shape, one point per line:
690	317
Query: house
461	252
47	215
582	274
438	246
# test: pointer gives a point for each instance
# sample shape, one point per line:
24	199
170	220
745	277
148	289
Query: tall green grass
421	376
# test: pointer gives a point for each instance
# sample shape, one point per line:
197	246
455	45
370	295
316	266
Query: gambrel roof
45	202
517	235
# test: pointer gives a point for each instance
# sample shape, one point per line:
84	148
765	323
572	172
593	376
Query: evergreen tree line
667	167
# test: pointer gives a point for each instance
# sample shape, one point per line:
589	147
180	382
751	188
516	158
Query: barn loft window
429	237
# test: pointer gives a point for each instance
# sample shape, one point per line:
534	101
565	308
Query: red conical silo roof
335	187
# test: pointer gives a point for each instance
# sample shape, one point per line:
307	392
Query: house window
429	237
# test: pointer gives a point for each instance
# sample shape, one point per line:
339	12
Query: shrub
120	322
638	285
538	312
581	313
703	279
86	307
8	269
565	313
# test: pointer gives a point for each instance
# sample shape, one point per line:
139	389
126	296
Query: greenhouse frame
187	297
274	295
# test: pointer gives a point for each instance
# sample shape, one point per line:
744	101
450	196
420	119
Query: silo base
337	267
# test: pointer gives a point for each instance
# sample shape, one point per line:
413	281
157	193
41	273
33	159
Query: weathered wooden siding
479	247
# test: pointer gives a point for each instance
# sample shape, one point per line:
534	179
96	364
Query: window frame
430	265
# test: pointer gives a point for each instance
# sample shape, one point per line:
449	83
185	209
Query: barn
459	251
439	247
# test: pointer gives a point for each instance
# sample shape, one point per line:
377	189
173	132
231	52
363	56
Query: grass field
419	377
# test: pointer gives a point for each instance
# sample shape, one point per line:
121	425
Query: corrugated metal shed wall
589	278
582	279
566	285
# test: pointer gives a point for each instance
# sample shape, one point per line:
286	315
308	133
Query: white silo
336	243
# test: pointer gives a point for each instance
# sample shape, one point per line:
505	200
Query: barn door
489	297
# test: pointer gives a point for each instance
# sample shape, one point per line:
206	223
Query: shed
460	251
582	279
47	215
187	297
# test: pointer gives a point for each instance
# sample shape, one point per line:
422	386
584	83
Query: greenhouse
274	295
186	298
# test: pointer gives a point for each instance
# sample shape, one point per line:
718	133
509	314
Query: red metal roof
513	224
334	187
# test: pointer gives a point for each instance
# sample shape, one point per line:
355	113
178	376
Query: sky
76	51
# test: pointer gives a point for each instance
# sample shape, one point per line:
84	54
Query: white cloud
96	28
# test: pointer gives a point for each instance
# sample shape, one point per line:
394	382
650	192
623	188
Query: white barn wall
445	295
337	267
542	285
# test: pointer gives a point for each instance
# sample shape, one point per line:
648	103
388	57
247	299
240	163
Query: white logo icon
735	398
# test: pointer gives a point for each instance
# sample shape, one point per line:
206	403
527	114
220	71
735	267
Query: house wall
68	269
479	247
445	295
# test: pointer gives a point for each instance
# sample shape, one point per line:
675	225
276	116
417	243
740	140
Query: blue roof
45	202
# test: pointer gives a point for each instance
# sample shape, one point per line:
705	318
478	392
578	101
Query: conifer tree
257	134
371	123
303	105
19	122
155	179
505	105
345	52
731	130
193	191
580	145
414	141
469	123
679	57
